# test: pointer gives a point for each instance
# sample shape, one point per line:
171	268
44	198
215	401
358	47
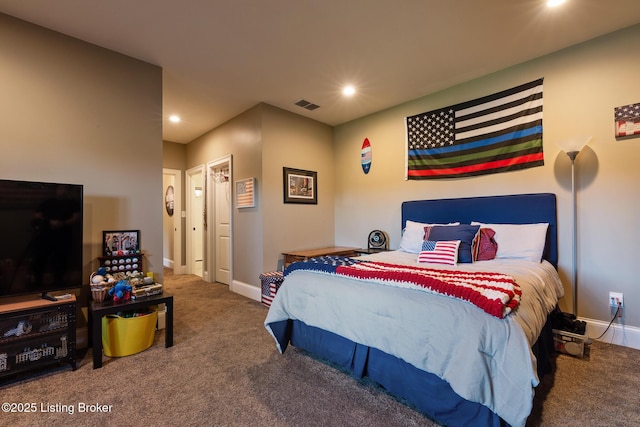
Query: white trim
246	290
167	263
619	334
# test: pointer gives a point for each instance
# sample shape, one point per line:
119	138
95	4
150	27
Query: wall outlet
615	299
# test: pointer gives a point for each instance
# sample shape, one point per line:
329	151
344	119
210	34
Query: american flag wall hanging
245	193
627	120
496	133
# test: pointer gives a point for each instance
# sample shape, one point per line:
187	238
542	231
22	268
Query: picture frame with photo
120	242
300	186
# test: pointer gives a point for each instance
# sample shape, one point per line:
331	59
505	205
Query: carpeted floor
224	370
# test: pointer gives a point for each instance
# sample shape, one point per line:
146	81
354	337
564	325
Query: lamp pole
574	278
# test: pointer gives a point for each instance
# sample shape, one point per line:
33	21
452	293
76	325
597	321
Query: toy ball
97	279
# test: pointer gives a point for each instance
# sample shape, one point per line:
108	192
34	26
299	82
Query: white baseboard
181	269
168	263
244	289
627	336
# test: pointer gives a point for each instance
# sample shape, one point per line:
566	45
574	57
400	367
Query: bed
455	360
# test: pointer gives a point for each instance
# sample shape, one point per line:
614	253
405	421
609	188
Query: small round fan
377	240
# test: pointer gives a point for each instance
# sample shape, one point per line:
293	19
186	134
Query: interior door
222	236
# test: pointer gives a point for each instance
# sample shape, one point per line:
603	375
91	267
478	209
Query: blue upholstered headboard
511	209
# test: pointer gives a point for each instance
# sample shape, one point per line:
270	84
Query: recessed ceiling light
348	90
174	119
554	3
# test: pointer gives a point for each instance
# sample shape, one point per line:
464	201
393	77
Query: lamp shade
574	145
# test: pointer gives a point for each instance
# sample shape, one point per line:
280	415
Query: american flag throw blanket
496	293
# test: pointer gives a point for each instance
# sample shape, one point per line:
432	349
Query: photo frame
120	242
300	186
245	193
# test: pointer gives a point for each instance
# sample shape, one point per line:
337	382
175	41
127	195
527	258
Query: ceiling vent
306	104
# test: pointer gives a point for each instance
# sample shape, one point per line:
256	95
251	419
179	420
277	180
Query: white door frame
210	232
189	190
178	268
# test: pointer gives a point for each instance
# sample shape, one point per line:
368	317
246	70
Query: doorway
172	220
195	221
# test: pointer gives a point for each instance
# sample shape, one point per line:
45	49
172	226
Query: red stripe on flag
479	167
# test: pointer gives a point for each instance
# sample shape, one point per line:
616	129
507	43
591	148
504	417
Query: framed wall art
627	120
300	186
245	193
120	242
169	200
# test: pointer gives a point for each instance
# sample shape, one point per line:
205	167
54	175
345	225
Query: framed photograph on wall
245	193
120	242
300	186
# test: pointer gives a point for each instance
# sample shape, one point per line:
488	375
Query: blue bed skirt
426	392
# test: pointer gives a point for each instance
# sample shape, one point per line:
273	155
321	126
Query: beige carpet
224	370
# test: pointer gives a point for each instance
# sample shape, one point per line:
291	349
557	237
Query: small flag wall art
627	120
496	133
245	193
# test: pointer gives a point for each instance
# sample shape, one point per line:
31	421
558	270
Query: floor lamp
572	148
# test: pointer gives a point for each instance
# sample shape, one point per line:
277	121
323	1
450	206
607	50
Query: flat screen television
40	237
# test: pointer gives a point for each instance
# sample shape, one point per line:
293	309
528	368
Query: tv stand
35	333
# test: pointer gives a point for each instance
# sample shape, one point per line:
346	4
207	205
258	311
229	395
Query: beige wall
582	85
241	138
296	142
174	155
73	112
262	140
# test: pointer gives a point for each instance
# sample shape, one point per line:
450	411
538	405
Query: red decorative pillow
486	246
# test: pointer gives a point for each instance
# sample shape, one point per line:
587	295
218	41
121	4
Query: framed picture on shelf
300	186
120	242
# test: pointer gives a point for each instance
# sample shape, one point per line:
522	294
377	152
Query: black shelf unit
35	334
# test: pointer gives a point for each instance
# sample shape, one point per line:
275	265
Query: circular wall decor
168	200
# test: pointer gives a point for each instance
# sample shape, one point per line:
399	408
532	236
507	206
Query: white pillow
413	235
519	241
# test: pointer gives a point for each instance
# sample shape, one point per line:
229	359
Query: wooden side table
294	256
369	251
